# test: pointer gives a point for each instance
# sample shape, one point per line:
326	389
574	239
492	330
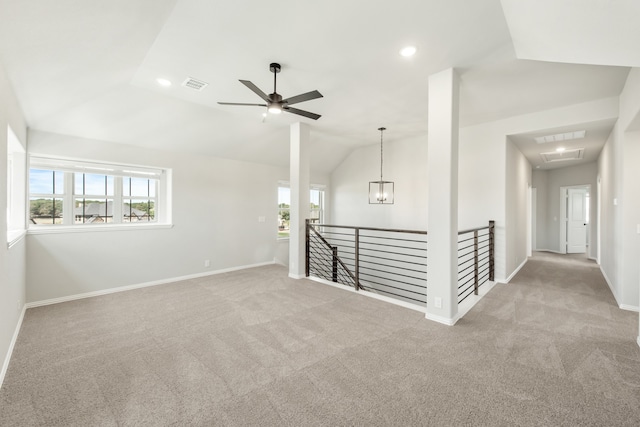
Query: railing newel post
492	226
475	262
357	258
307	249
334	266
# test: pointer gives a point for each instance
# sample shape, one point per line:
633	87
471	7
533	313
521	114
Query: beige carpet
256	348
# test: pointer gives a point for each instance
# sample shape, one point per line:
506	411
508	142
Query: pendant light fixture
381	192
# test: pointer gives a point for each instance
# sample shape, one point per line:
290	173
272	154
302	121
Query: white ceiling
596	134
88	69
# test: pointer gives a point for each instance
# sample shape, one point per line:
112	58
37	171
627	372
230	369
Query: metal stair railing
389	262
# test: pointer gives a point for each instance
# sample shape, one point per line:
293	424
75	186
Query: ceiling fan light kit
381	192
274	102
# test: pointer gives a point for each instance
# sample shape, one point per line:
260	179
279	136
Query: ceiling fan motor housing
274	67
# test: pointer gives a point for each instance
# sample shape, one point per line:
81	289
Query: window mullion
117	200
67	201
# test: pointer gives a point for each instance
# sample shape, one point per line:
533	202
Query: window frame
74	168
16	188
313	187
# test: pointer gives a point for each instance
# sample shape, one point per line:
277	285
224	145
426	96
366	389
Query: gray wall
12	260
548	185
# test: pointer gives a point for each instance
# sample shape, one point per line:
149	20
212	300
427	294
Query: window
284	205
71	193
16	187
316	211
317	204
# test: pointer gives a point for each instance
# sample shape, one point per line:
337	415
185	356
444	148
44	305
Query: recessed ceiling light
408	51
560	149
163	82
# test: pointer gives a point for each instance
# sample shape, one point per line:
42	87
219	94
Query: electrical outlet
261	219
207	263
437	302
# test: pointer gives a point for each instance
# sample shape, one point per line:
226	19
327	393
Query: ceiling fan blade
255	89
314	94
313	116
237	103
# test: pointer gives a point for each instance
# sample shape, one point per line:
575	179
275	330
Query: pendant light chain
381	157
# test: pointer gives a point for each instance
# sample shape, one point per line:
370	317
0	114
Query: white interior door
577	221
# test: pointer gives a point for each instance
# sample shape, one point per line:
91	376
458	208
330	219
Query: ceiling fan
274	102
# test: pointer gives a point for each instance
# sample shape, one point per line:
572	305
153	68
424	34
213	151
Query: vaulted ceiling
89	68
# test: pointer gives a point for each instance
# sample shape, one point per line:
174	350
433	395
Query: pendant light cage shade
381	192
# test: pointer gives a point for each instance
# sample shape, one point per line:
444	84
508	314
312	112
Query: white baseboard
512	275
638	340
371	295
611	288
550	250
471	300
615	295
441	319
7	358
141	285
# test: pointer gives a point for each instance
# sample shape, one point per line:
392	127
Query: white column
299	183
442	169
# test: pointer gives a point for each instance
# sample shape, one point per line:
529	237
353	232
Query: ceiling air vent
561	137
569	154
194	84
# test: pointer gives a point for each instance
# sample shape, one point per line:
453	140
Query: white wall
483	176
619	175
518	180
12	260
216	205
405	163
548	183
540	179
610	177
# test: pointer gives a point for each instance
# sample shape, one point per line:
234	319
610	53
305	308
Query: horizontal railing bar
466	247
471	230
337	234
470	279
465	290
404	262
335	239
382	290
391	293
392	266
393	238
394	287
350	227
392	246
396	274
465	297
388	252
466	268
393	280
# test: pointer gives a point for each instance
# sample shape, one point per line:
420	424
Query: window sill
89	228
14	237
